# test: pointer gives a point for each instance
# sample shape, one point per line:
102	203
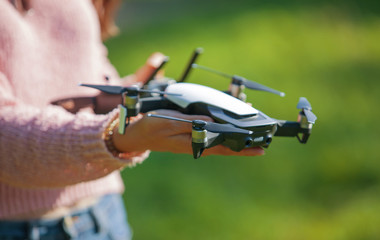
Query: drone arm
214	139
287	128
200	141
154	103
292	129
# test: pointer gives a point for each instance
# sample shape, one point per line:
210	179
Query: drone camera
248	142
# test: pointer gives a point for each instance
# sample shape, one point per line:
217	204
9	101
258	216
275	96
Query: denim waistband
91	220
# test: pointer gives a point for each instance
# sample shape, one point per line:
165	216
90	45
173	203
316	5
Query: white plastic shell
192	93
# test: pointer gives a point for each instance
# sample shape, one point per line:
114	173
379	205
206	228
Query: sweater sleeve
51	147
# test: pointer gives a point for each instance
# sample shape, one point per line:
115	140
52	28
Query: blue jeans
106	220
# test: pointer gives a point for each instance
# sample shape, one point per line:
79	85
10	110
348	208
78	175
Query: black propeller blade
304	104
209	126
120	89
169	118
106	88
242	81
256	86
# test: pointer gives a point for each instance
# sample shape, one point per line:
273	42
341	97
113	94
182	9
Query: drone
236	125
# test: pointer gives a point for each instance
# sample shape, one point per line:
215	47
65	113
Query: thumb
152	63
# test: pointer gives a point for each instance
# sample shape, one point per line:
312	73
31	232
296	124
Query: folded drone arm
213	139
153	103
292	129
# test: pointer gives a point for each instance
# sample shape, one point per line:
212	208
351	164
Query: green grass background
327	51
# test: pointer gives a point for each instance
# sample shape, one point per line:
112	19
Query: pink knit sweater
49	157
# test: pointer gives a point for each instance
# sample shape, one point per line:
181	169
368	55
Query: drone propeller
256	86
304	104
119	89
208	126
106	88
241	81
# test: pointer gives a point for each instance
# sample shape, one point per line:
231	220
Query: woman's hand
104	102
164	135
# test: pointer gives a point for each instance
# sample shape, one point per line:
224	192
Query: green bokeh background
327	51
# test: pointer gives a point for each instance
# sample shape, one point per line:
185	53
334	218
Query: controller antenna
196	54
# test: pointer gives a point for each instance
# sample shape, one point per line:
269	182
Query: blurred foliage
327	51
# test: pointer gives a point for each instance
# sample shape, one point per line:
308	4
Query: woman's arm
51	147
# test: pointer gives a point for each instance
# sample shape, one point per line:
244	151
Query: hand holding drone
161	134
235	124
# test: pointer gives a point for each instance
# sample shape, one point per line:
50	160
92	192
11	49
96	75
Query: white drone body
190	93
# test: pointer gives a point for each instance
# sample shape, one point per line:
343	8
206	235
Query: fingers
164	135
167	127
153	62
131	80
223	150
181	143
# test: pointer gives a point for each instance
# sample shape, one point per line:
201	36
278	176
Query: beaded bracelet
107	136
